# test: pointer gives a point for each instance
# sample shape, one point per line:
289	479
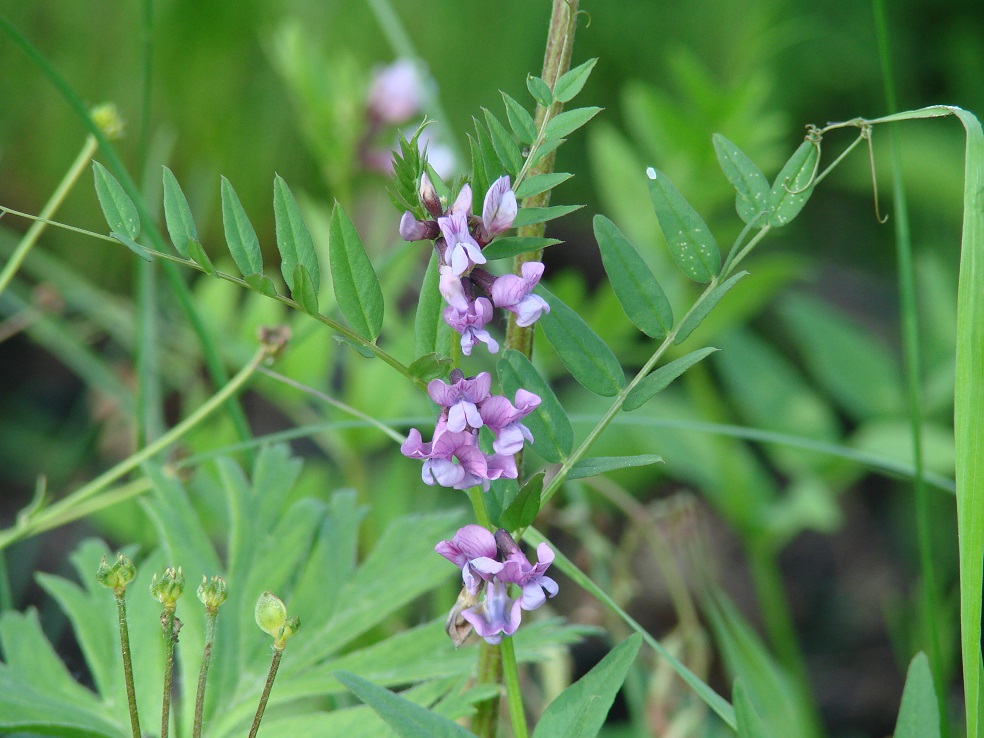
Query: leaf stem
271	676
212	614
119	594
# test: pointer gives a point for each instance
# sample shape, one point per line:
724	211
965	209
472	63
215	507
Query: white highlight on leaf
651	173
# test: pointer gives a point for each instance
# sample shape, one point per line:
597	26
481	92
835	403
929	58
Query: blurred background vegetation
252	88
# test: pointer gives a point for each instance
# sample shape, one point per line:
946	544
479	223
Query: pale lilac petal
414	447
451	288
463	202
469	542
498	465
497	616
500	207
528	310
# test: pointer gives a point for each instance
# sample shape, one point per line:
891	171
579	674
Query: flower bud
117	576
270	614
290	627
168	588
429	198
212	593
412	229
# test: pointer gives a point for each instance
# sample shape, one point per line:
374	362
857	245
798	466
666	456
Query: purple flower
499	209
463	251
518	570
472	550
470	324
456	461
499	615
452	289
461	397
412	229
462	203
396	92
513	293
502	418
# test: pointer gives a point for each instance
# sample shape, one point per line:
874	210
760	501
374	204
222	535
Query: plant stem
119	594
211	615
514	696
49	209
167	621
485	723
261	707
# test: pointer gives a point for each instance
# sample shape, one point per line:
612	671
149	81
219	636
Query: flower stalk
116	577
212	593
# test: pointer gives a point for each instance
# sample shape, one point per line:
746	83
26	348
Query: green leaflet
240	236
752	196
919	713
661	378
592	467
529	216
132	245
570	84
523	510
564	124
357	289
540	91
293	238
502	248
586	356
551	428
197	254
690	241
431	335
118	209
519	119
304	290
700	311
430	366
505	148
177	215
636	288
540	183
794	184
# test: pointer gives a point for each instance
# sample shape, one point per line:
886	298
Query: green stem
485	722
54	202
169	638
59	511
477	499
210	619
261	707
131	699
514	695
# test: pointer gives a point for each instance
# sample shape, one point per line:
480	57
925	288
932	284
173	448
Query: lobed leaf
636	288
564	124
661	378
118	209
586	356
357	289
594	466
570	84
177	215
549	424
690	241
240	236
520	120
294	241
794	184
752	197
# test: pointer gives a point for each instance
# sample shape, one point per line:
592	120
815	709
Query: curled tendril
866	131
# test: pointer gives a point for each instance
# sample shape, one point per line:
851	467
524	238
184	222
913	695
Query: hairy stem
167	622
261	707
210	618
119	594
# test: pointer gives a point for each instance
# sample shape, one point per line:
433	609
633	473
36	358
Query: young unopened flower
412	229
499	209
470	324
168	588
396	93
270	613
212	592
117	575
514	294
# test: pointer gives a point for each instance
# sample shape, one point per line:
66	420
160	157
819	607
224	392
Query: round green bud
117	575
271	614
168	588
212	592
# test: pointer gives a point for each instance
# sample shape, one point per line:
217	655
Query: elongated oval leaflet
197	254
690	323
752	192
294	241
240	236
177	214
132	245
661	378
430	333
505	148
553	436
794	184
564	124
690	241
522	511
586	356
501	248
538	183
540	91
261	283
595	465
303	290
529	216
357	289
636	288
567	87
519	119
118	209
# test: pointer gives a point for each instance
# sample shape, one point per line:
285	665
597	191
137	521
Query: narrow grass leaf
431	335
132	245
594	466
539	183
197	254
549	424
520	120
540	91
919	714
572	81
509	246
580	710
700	311
293	238
240	236
636	288
177	214
564	124
357	289
304	291
586	356
794	184
750	725
690	241
661	378
752	192
523	510
529	216
118	209
505	147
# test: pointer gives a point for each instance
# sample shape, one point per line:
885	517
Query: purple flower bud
499	209
470	324
428	196
462	203
513	293
461	398
396	92
463	251
412	229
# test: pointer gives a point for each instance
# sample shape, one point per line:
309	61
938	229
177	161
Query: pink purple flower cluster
453	457
488	563
460	238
